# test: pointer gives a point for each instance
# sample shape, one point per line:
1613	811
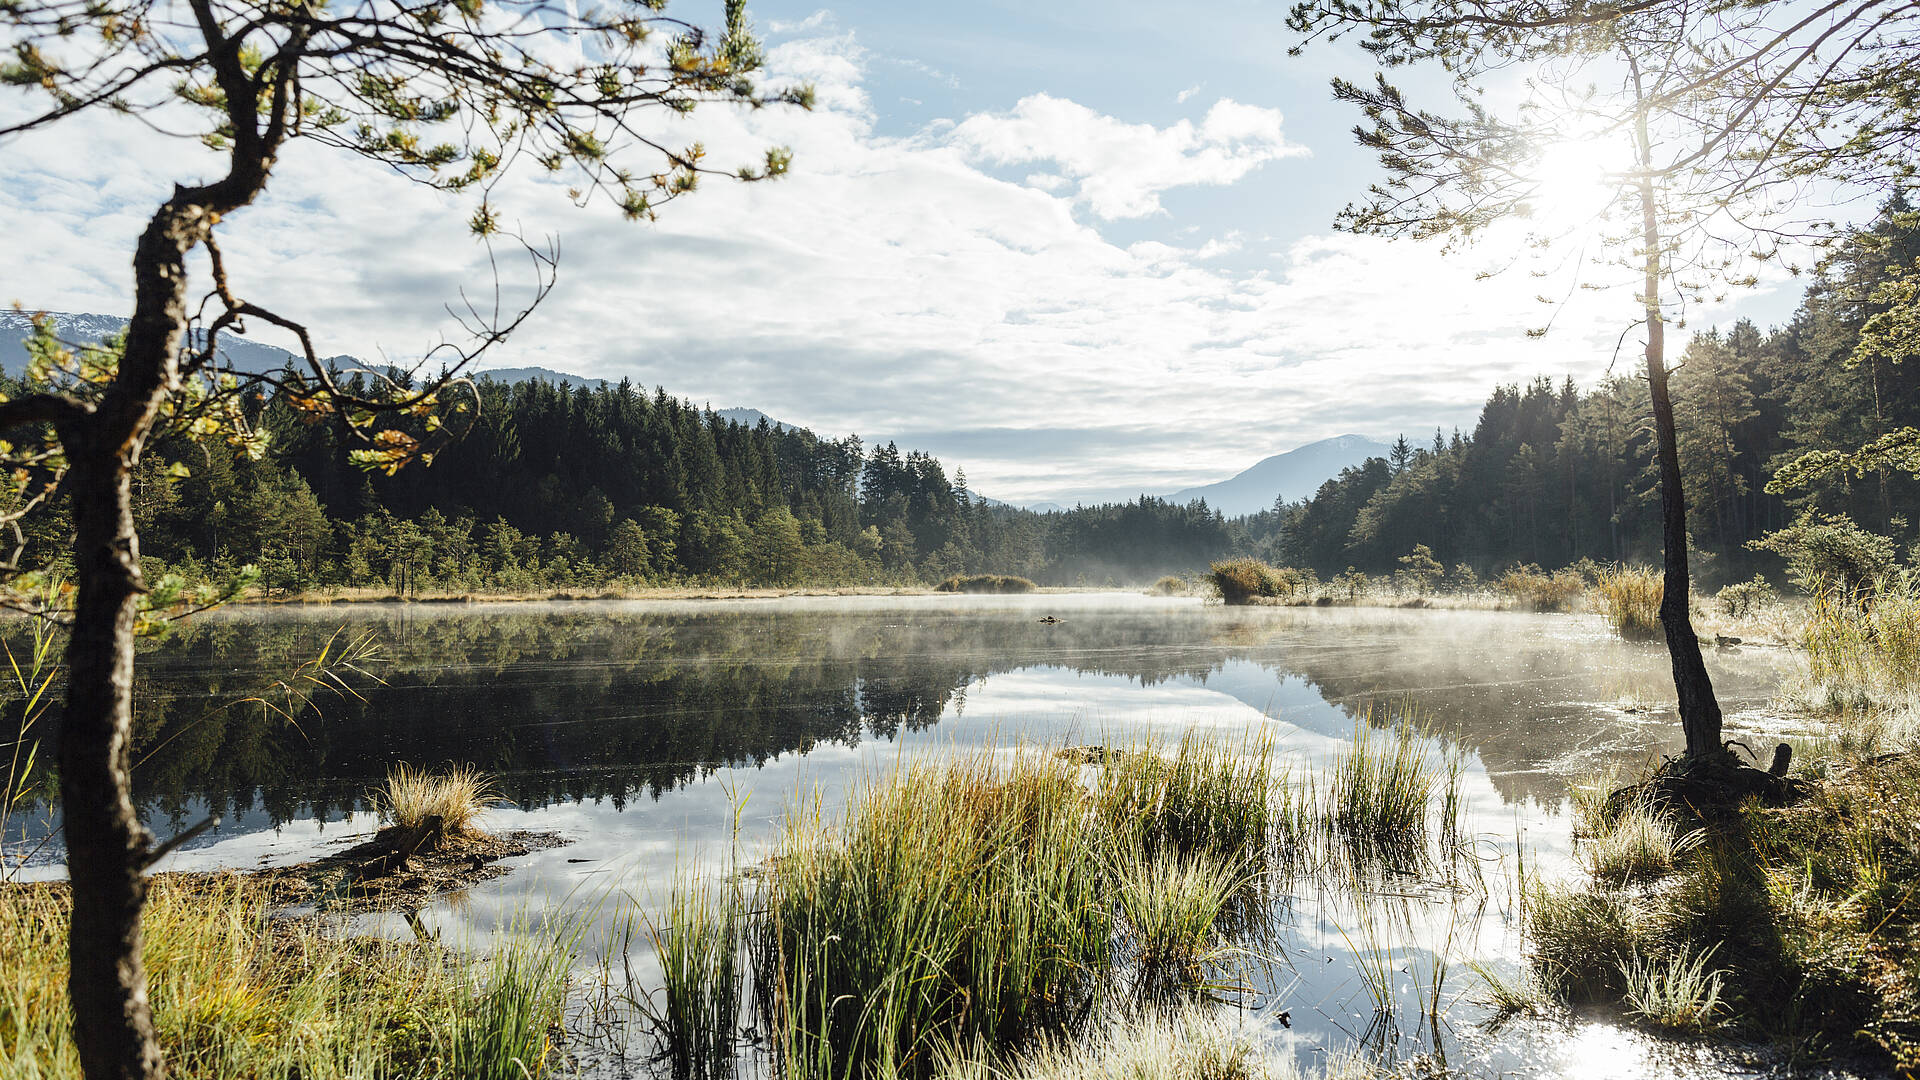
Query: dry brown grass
457	797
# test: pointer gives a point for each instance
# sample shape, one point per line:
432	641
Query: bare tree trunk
106	845
1699	710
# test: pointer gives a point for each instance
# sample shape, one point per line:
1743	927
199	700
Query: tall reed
1629	597
1380	789
1866	651
1208	797
698	944
955	902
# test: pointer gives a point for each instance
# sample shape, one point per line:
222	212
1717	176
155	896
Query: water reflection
624	701
660	736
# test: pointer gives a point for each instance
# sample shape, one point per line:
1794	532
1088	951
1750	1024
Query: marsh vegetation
1271	802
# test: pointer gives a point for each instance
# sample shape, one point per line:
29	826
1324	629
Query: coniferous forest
564	487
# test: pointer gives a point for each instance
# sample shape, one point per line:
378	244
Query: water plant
1674	992
32	671
1171	906
952	902
698	942
1380	788
1507	997
505	1009
1207	796
457	796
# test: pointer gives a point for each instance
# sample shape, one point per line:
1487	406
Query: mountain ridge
1292	474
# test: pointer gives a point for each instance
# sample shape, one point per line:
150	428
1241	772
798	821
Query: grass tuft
699	953
457	797
1172	906
1637	846
1208	797
1380	788
1674	993
1629	597
954	902
1189	1045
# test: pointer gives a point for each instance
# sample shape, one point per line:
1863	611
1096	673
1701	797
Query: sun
1575	181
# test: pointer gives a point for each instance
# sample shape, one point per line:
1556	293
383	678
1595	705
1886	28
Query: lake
666	738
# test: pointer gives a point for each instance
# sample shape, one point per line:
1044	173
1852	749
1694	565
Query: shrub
1829	552
1170	586
1422	571
1241	581
986	583
1536	590
1745	597
1630	599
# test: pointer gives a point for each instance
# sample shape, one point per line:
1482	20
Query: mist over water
666	739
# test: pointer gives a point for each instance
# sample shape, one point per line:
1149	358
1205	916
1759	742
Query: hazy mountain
239	352
524	374
1295	474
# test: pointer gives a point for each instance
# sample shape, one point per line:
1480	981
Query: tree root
1706	788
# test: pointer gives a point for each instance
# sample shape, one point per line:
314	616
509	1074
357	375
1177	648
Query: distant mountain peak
1295	474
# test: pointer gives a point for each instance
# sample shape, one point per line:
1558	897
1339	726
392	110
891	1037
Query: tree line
554	486
575	487
1552	474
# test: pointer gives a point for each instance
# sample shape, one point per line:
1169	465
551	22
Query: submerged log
425	836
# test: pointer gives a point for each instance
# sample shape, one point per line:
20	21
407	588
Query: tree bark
106	845
107	848
1699	710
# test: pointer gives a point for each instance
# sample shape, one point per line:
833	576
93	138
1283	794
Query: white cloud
889	286
1123	168
1181	97
821	19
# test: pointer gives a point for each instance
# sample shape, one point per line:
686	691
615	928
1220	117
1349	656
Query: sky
1080	250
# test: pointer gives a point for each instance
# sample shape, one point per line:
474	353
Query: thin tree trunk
107	847
1699	710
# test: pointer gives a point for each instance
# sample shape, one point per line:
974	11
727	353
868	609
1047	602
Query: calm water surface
668	738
